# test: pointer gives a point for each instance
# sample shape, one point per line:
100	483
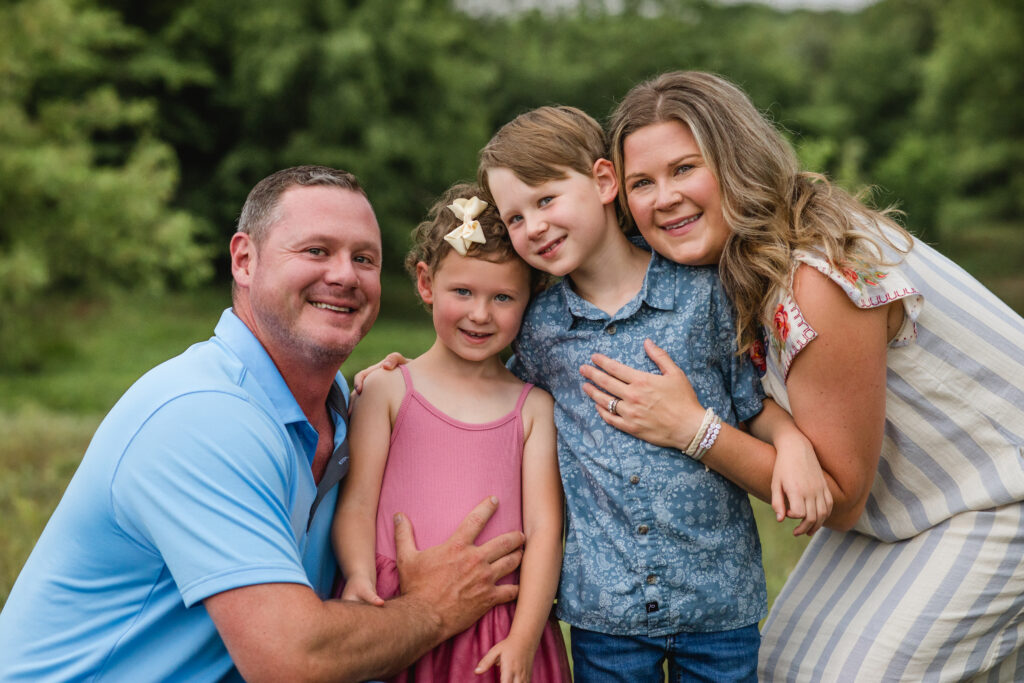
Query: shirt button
643	529
611	329
634	480
652	579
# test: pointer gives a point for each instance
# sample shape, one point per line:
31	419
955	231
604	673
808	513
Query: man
193	539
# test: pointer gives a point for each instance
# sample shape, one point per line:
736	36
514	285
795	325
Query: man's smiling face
314	281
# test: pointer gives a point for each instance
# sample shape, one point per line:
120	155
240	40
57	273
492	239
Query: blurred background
131	132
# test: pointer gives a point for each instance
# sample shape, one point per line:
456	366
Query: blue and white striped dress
929	586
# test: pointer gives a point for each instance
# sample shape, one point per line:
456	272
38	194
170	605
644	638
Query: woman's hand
390	362
660	409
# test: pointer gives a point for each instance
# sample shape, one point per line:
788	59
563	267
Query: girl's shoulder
384	386
538	402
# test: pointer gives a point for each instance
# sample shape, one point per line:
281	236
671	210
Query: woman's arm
542	556
837	387
800	490
355	521
664	410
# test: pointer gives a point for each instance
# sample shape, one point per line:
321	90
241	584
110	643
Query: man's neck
310	384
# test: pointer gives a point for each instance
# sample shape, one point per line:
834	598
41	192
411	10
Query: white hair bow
470	231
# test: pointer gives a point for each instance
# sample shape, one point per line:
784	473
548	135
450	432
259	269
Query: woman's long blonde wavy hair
771	206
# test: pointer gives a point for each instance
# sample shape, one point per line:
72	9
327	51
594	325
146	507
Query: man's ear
424	283
607	181
243	256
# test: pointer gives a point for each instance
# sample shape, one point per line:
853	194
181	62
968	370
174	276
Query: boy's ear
607	181
424	283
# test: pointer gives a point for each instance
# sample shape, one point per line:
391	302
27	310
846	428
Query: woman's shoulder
867	284
823	288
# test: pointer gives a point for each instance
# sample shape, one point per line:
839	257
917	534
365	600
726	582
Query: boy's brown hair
538	145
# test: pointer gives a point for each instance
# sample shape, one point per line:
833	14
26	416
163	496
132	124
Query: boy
662	559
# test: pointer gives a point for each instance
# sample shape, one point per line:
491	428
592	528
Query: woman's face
673	195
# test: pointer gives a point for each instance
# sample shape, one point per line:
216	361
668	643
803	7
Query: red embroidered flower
781	322
757	356
850	274
878	274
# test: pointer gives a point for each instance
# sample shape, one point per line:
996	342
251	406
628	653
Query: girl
452	427
904	372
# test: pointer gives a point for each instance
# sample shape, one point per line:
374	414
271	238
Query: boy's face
560	225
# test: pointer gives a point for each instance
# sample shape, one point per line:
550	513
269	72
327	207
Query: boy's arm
355	522
542	557
800	489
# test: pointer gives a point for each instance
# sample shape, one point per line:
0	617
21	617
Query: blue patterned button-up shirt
656	544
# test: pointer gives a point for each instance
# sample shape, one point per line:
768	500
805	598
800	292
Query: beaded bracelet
698	439
709	439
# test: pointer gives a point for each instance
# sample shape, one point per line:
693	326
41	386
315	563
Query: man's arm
282	631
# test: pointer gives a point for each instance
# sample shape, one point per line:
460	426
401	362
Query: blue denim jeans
714	657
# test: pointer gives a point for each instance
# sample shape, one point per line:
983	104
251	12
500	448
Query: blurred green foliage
131	132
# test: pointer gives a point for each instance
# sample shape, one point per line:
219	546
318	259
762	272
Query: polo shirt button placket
611	329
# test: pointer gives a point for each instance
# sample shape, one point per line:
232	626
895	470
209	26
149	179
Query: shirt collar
657	291
239	338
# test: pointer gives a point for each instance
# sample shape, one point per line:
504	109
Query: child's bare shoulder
538	404
382	386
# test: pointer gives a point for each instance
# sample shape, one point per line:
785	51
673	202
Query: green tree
84	184
972	109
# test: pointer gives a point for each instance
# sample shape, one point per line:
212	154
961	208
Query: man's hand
390	362
456	579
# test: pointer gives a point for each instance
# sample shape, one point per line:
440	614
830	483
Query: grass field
48	417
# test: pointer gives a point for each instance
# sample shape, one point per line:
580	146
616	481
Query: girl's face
673	195
477	304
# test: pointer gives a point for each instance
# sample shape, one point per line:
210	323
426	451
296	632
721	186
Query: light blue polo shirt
198	481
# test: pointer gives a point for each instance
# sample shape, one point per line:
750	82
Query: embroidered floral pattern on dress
781	322
867	285
758	357
859	273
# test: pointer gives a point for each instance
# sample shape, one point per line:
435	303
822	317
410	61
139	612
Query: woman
905	373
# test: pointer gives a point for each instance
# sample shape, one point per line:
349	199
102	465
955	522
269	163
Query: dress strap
522	398
408	378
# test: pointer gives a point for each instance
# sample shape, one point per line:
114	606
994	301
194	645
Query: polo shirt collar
240	339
